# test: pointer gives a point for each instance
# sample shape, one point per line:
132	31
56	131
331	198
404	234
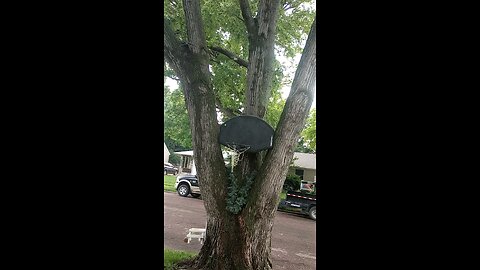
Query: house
304	165
166	153
187	165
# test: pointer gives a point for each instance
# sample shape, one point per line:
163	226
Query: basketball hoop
238	150
246	133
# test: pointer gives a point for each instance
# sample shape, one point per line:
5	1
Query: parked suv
187	184
169	168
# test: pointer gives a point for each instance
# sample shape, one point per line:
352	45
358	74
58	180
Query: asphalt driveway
293	240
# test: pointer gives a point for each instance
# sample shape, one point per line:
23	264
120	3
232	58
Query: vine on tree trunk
237	195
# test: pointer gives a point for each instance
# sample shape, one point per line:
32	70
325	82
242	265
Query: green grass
174	256
169	183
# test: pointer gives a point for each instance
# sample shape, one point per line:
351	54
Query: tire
195	195
165	172
313	213
183	190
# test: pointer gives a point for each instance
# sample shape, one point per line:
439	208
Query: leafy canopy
176	133
309	134
224	28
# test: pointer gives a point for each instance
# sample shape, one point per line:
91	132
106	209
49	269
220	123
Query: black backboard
247	131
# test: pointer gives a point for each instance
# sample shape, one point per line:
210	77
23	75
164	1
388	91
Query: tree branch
241	19
267	17
305	76
171	45
190	61
288	131
170	41
247	16
194	22
261	56
230	55
226	111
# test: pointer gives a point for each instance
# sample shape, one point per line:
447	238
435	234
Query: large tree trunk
242	240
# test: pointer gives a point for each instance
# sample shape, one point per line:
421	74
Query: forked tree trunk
234	242
243	240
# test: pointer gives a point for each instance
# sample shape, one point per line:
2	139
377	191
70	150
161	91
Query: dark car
169	168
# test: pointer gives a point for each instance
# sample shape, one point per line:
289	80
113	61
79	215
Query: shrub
292	182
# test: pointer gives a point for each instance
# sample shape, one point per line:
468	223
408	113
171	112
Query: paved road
293	241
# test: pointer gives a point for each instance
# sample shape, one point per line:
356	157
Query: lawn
169	183
173	256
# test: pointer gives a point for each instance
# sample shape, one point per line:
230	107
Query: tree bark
243	240
190	62
261	36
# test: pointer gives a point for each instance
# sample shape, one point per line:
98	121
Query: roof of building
165	148
185	153
304	160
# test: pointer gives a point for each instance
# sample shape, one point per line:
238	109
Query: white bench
198	233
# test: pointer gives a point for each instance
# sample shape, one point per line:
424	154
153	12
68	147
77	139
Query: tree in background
309	134
223	54
176	132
